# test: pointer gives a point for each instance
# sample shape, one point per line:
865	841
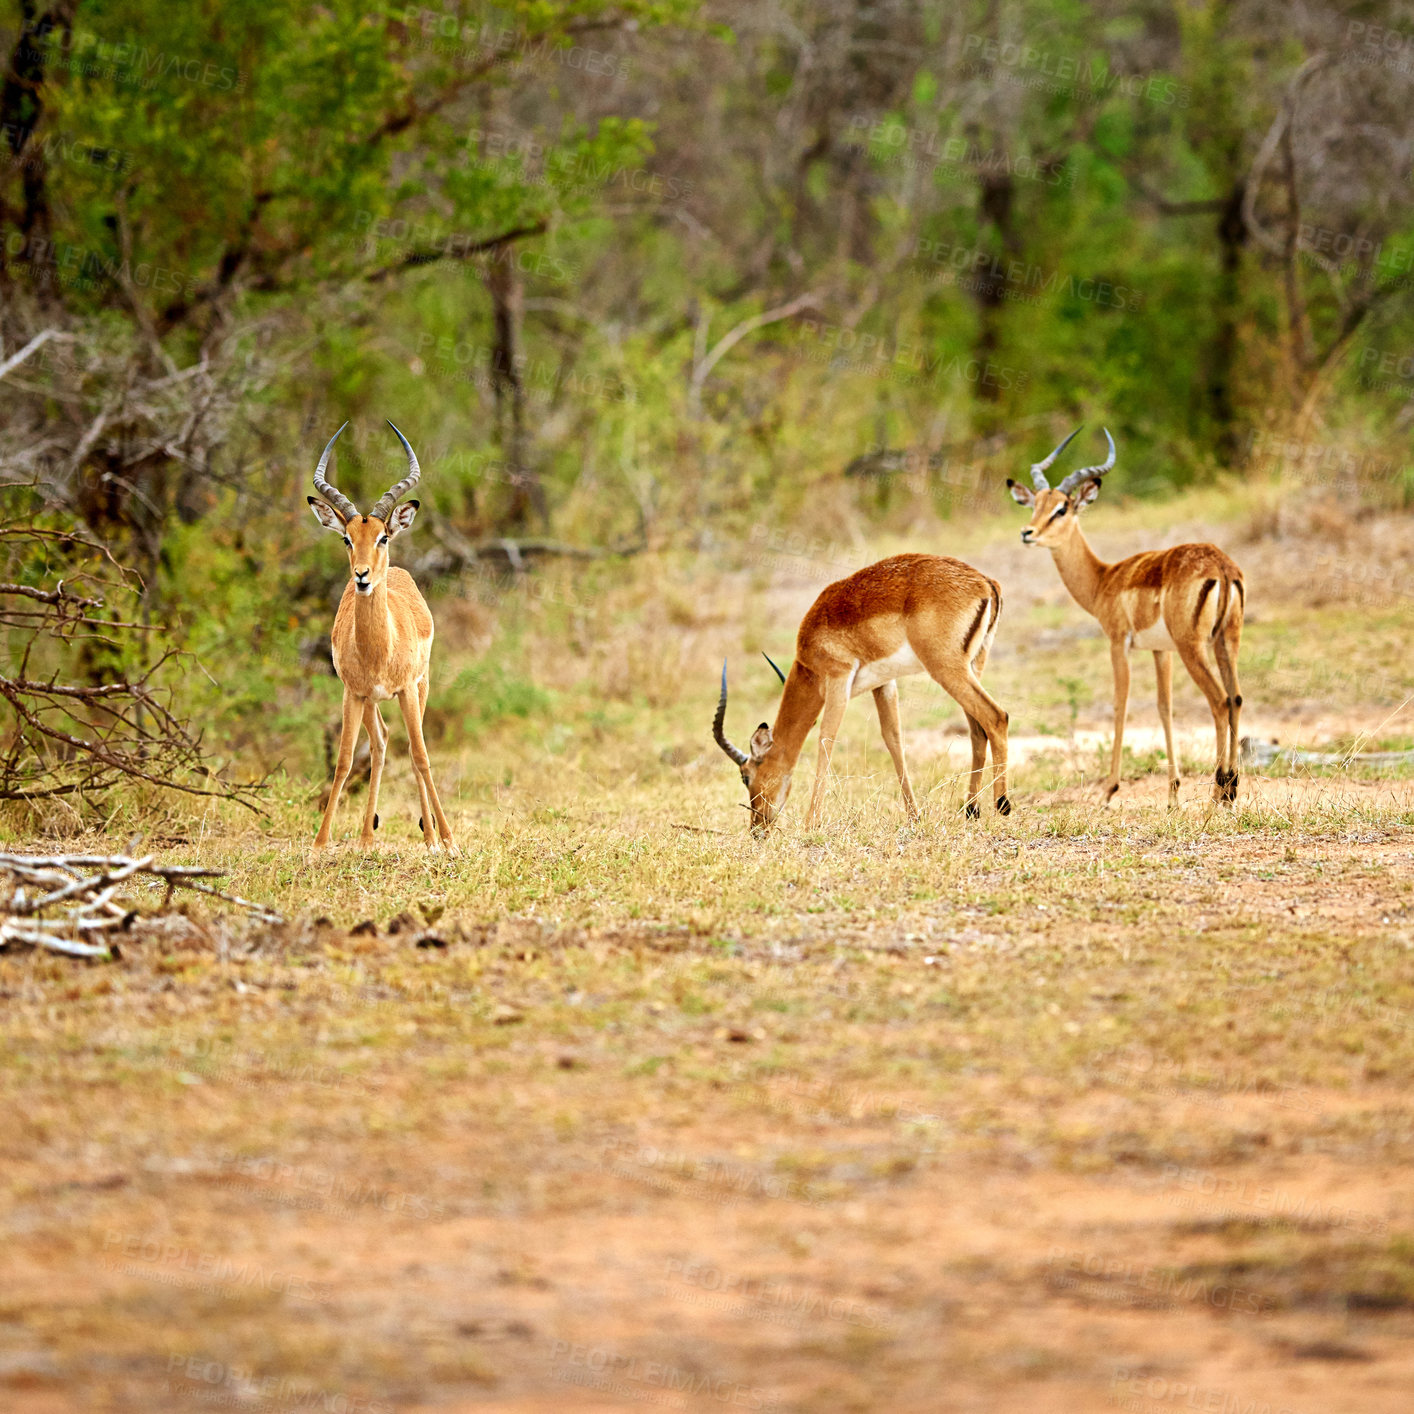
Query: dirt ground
1082	1109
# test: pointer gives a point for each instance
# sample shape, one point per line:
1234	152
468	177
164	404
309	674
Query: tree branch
39	340
426	257
734	336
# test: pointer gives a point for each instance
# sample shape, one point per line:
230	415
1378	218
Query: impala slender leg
886	700
1163	671
975	729
1226	642
348	738
377	750
425	822
1119	661
836	700
1211	688
974	699
412	719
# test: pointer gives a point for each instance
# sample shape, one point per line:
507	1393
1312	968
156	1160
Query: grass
623	1107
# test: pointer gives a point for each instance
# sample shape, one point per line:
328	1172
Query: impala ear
326	515
1085	492
1022	495
760	741
402	517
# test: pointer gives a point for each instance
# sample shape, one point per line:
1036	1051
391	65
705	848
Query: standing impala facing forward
908	614
1168	601
382	642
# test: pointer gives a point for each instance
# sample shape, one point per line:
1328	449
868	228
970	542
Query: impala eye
348	542
382	539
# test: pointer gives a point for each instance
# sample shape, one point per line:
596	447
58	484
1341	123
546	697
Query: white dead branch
68	902
1258	755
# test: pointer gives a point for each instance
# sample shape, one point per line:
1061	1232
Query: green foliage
483	695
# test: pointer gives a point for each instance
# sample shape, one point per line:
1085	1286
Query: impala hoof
375	822
1225	786
972	810
1003	805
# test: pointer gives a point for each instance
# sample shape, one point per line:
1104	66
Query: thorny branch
78	738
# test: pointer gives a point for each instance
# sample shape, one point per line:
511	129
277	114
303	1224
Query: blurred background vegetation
664	278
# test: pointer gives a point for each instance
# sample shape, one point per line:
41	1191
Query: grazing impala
907	614
382	642
1168	601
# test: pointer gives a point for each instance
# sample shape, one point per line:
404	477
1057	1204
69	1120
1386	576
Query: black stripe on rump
1208	586
976	624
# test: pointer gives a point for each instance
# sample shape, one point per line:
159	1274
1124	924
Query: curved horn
337	499
718	735
779	673
1076	477
394	494
1038	469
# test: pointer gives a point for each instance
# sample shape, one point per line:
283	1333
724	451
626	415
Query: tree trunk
21	108
1232	238
996	206
503	285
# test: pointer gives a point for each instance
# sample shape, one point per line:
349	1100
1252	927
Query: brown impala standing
382	642
907	614
1167	601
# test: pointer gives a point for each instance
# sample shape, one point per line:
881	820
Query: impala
907	614
1167	601
382	644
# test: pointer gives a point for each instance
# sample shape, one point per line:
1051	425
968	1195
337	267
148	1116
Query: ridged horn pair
1039	469
385	503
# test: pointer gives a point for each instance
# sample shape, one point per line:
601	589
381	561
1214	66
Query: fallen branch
913	461
1258	755
454	553
64	902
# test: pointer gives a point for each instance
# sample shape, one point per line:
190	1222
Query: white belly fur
1155	637
868	676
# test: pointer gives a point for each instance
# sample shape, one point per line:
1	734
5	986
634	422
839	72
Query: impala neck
1080	568
801	700
372	626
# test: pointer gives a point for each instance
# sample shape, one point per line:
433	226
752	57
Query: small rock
430	940
367	929
402	922
506	1016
